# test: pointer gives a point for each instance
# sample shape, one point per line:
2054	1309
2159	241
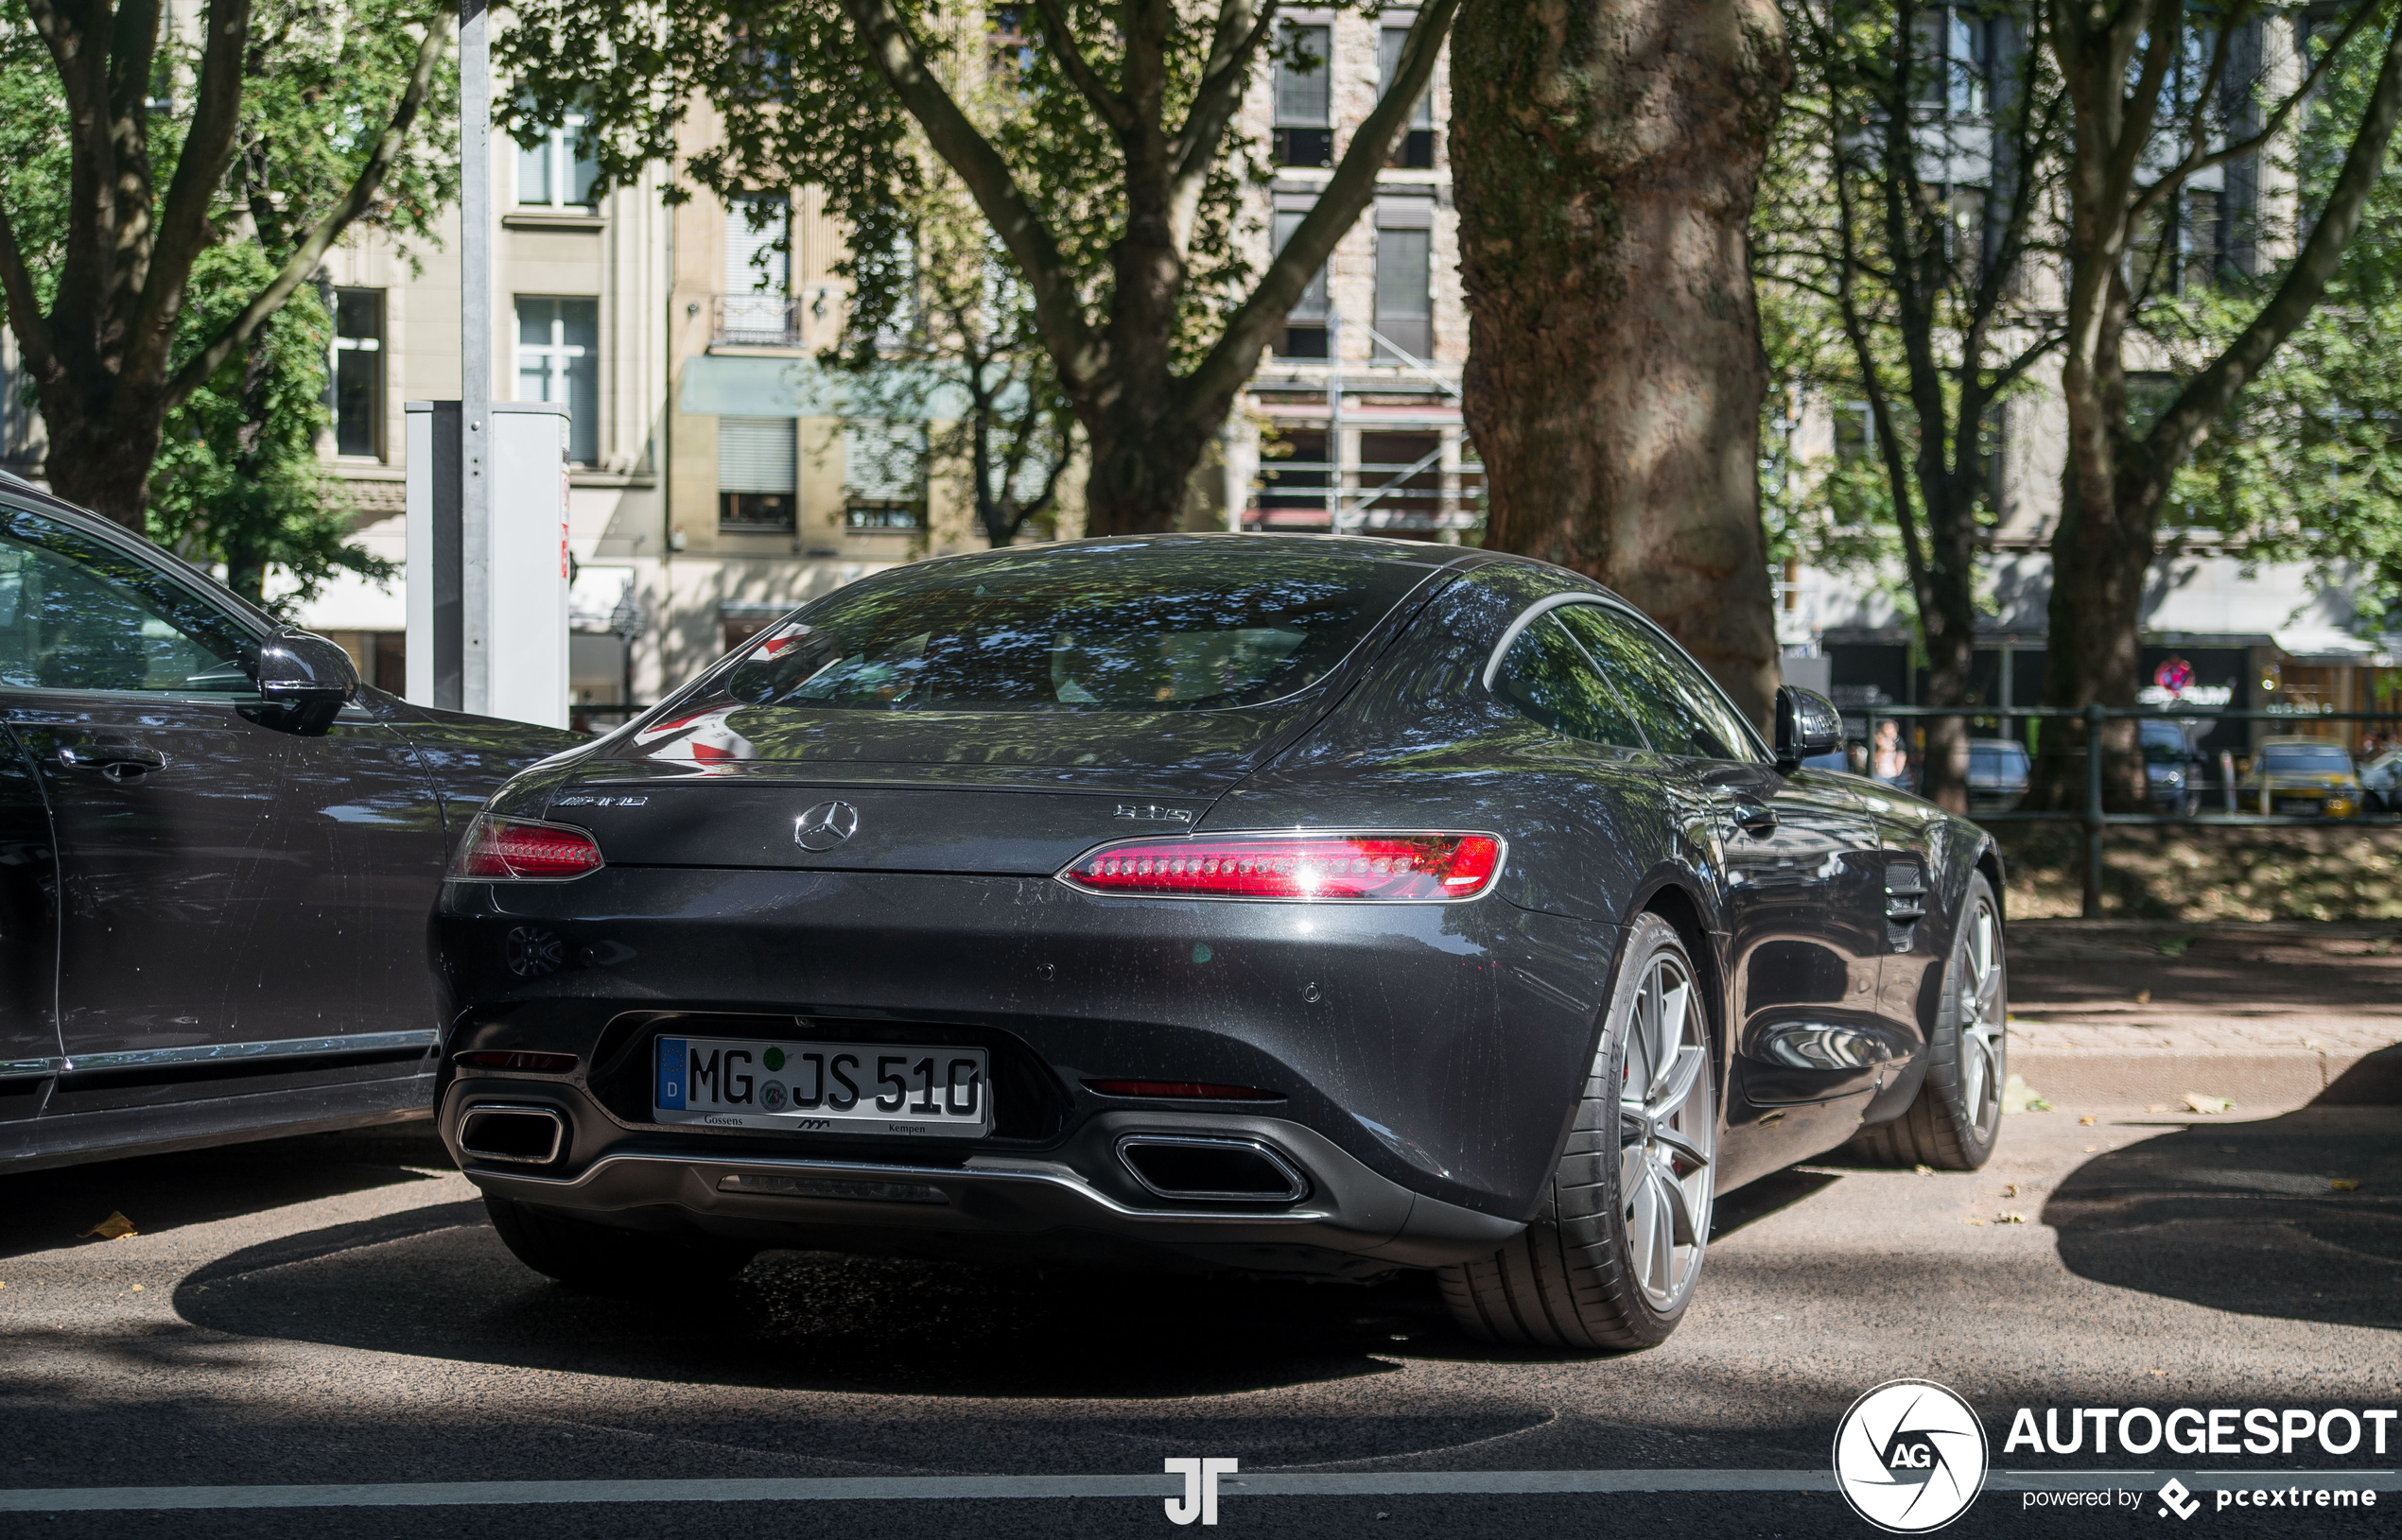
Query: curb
2255	1081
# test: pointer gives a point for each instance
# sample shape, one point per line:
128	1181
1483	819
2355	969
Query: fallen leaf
1978	1223
2202	1103
2011	1191
2339	1184
2174	945
1924	1170
2161	1373
2143	996
2019	1097
115	1227
2010	1218
137	1288
2088	1120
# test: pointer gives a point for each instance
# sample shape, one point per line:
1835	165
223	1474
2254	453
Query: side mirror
1808	725
305	679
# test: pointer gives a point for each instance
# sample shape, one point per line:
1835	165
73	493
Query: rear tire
1956	1117
1611	1262
602	1260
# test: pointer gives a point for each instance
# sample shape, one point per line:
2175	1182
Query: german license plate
2299	806
823	1087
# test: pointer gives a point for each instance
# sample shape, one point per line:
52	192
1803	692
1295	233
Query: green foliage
800	104
2308	466
237	481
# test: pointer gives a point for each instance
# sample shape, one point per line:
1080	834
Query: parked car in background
1285	904
218	857
2302	777
2172	766
2381	782
1998	774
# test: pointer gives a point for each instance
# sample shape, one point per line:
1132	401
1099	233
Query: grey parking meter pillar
475	322
435	607
2093	906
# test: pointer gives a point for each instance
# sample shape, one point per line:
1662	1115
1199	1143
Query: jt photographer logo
1910	1456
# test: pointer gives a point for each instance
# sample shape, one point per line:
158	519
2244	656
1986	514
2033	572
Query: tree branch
200	168
1195	147
2197	161
1113	108
327	229
1058	308
1209	389
24	309
2208	394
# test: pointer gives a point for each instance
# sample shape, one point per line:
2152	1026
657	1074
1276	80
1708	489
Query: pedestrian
1889	763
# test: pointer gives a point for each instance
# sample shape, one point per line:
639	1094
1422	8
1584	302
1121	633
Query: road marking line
885	1489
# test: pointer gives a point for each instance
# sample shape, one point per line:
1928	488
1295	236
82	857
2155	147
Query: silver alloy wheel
1667	1135
1981	1019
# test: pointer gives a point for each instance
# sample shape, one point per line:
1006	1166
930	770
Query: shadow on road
49	1208
2249	1217
437	1283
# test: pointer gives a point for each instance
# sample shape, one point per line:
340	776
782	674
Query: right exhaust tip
1190	1167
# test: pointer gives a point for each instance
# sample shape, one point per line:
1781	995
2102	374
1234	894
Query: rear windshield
2305	756
1183	628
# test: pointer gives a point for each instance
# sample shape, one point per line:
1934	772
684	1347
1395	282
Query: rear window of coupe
1083	631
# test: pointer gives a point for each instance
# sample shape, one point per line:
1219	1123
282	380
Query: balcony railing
1417	497
758	320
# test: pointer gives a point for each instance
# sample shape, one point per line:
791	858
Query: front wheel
1610	1261
1956	1117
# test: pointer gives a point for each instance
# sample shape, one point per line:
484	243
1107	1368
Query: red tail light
523	850
1392	868
1183	1090
539	1064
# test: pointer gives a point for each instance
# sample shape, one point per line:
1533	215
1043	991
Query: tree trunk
102	463
1605	153
1143	456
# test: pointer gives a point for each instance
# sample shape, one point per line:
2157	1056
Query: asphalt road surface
294	1314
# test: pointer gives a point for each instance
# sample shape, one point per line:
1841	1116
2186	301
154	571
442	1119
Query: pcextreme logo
1910	1456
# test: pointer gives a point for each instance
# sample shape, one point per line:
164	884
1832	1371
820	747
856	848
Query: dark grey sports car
220	854
1284	904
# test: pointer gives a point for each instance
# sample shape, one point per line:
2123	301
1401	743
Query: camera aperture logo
1910	1456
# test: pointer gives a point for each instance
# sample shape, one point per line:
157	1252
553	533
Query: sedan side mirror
305	679
1808	725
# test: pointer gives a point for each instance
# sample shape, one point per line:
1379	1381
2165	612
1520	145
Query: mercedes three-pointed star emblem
825	825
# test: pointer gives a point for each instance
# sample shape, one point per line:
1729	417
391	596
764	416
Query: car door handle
1751	818
119	762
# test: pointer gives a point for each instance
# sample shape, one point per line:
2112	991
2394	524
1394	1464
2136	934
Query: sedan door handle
1751	818
119	762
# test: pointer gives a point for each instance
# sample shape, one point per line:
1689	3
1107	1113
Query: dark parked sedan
218	857
1282	904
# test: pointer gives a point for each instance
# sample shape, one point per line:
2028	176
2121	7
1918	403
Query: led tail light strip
1386	868
522	850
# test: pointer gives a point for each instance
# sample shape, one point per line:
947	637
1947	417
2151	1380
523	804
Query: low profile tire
602	1260
1956	1117
1610	1261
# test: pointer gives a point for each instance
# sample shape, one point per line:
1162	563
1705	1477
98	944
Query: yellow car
2302	777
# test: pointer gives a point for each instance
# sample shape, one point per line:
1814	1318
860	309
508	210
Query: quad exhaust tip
1197	1166
518	1135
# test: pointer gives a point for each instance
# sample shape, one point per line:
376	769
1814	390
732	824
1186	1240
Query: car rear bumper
1349	1222
1424	1057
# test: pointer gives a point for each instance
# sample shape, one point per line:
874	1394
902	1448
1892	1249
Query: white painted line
1261	1484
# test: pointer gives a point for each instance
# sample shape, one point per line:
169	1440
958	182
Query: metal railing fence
2093	816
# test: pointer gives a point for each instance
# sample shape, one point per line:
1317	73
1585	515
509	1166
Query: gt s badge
1149	814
